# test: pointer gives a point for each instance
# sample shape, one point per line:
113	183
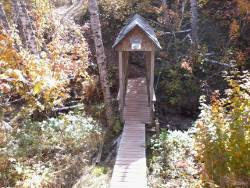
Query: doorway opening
136	64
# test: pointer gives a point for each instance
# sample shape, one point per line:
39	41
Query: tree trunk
101	58
3	19
194	17
164	2
24	25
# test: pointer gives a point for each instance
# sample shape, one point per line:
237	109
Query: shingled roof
139	21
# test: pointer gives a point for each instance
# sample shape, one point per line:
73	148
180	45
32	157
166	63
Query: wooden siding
147	44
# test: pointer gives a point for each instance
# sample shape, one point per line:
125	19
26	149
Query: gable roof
139	21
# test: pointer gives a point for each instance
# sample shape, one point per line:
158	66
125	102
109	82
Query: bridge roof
139	21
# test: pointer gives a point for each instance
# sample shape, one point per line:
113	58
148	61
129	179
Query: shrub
223	134
45	153
179	89
173	161
44	81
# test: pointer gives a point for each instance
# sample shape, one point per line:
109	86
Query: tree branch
66	108
218	63
177	32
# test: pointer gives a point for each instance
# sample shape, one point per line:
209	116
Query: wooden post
148	62
121	84
151	82
125	70
157	128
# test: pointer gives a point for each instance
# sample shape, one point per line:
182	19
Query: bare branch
67	108
177	32
217	63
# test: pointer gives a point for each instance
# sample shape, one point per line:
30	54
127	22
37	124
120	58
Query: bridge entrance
136	45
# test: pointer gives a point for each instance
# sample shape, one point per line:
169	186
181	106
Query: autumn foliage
33	89
41	81
223	135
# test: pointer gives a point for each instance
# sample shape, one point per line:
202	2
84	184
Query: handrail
153	97
118	95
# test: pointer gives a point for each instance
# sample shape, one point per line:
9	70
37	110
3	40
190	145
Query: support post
151	82
157	128
125	70
148	62
121	84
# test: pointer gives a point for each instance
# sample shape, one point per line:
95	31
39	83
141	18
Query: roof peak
137	20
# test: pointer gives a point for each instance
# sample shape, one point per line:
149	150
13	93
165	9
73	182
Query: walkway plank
130	166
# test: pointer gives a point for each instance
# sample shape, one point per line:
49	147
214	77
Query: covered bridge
136	35
136	102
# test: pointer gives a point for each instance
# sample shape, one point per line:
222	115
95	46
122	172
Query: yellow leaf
37	88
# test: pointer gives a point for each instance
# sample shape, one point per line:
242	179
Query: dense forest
60	124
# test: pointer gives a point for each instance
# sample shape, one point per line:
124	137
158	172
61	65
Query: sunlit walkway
130	166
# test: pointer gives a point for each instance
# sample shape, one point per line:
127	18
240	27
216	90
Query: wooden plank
130	166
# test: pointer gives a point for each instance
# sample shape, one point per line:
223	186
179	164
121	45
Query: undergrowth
173	161
52	153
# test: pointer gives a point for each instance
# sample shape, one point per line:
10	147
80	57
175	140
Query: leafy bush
44	153
173	162
42	82
179	89
223	134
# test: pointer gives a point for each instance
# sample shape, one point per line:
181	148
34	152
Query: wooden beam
148	62
121	87
125	66
151	83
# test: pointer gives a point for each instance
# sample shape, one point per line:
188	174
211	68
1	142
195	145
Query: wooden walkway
130	166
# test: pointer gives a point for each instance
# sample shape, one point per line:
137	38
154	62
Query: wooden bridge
136	104
130	166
